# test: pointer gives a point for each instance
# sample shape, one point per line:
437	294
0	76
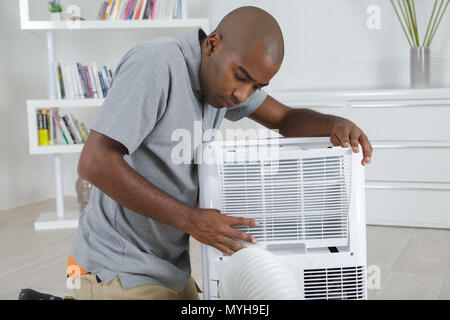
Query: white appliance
308	197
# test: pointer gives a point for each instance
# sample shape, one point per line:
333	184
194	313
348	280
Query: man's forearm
123	184
307	123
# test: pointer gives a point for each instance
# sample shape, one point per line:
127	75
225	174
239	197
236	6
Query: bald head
240	56
245	27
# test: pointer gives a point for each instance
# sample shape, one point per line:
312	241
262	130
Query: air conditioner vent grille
292	199
335	283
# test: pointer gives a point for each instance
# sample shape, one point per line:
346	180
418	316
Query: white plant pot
55	16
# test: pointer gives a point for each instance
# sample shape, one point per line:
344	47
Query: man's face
229	75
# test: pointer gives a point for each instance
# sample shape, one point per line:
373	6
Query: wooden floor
414	263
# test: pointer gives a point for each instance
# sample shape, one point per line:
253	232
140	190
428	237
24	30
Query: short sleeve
244	109
136	98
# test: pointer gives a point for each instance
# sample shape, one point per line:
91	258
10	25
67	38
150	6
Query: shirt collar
191	48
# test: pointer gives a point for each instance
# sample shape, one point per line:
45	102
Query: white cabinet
408	181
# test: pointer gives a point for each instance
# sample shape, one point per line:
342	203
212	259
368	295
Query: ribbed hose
257	274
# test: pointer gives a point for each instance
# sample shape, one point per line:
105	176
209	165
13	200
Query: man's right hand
213	228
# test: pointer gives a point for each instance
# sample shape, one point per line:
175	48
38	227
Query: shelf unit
34	105
61	218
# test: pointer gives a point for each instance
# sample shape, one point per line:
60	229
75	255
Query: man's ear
213	43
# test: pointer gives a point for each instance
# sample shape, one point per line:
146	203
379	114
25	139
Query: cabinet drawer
413	123
424	164
417	208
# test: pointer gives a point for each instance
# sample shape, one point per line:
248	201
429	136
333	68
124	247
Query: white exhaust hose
257	274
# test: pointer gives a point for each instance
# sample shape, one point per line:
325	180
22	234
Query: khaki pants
90	289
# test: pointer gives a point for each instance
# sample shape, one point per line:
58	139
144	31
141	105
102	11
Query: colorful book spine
148	9
73	125
155	5
42	129
51	127
93	82
65	129
70	129
83	130
88	81
82	81
111	11
61	82
108	6
102	84
116	9
125	10
138	10
133	9
101	11
178	10
105	76
58	124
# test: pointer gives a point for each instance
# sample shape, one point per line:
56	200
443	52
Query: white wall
328	46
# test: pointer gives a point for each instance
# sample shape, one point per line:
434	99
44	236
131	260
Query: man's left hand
345	133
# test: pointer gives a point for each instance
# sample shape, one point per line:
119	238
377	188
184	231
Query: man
133	237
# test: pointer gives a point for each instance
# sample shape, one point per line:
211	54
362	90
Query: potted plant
55	9
420	51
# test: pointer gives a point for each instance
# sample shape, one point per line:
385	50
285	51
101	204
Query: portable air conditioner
309	199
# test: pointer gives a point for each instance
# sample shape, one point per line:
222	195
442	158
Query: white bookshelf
33	139
114	24
61	218
27	24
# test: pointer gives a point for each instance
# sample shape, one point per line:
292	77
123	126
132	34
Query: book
58	125
138	10
93	83
154	9
72	122
83	130
65	129
51	127
184	9
97	80
61	82
116	10
101	11
67	82
56	80
141	13
148	9
70	129
133	9
102	83
122	9
45	121
106	77
42	131
111	10
177	10
88	81
76	80
82	81
108	6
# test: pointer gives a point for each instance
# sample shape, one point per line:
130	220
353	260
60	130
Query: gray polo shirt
155	90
